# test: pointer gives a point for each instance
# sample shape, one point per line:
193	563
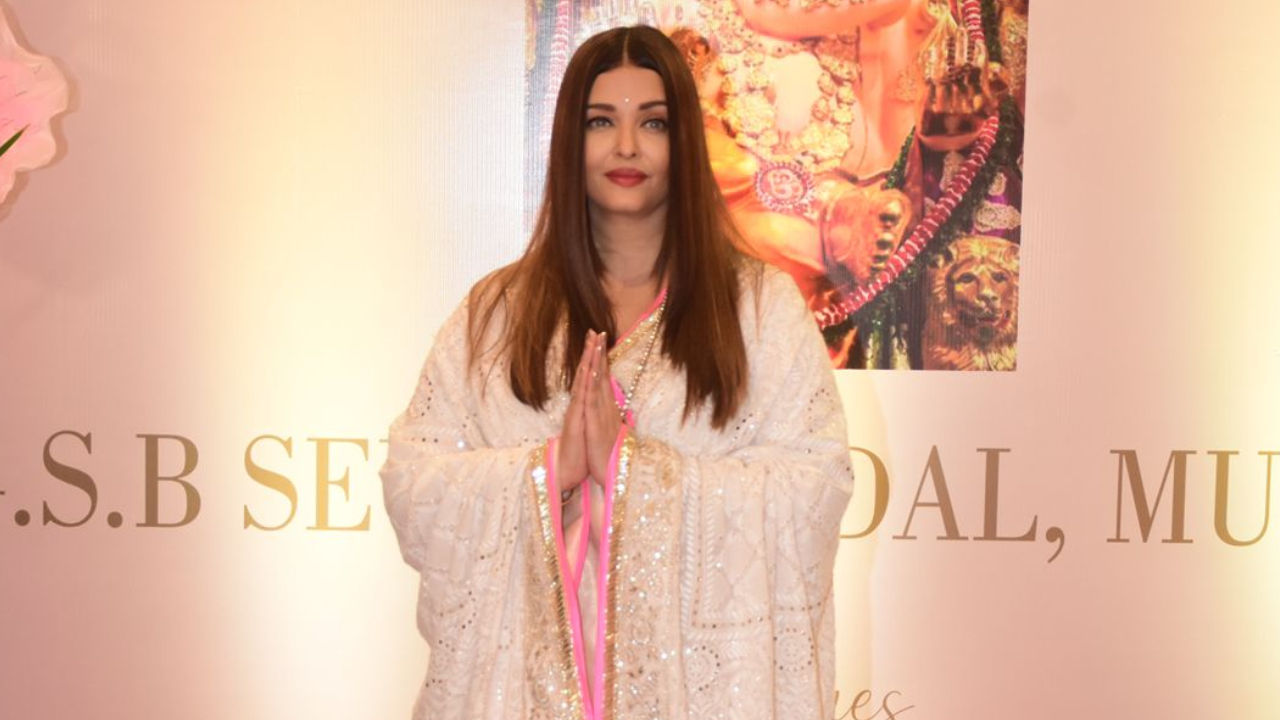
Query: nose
626	142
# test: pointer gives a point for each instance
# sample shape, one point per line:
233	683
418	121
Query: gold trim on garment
571	698
643	330
625	454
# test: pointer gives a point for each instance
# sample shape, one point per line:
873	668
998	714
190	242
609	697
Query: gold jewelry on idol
1013	45
907	88
810	5
785	180
957	90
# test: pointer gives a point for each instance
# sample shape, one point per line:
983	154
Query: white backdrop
262	211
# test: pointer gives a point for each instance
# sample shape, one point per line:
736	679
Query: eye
998	277
598	121
966	278
655	123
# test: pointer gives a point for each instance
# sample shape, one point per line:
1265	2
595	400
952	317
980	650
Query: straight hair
558	277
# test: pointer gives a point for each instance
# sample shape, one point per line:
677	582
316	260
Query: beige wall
264	209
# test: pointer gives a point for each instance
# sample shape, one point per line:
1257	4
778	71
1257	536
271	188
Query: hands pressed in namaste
590	428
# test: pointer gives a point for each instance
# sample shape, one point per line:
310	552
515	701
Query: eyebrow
611	108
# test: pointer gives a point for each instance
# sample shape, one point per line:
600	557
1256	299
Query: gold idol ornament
788	163
958	95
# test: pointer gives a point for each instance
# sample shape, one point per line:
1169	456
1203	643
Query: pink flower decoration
32	92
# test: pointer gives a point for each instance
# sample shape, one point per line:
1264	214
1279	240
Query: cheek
598	146
662	170
659	150
591	155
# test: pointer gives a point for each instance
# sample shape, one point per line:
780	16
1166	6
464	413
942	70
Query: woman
634	524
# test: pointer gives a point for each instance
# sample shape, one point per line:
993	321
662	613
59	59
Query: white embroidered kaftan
717	587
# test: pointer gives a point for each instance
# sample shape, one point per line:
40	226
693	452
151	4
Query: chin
632	207
628	210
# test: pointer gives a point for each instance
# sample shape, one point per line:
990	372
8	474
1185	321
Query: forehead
628	82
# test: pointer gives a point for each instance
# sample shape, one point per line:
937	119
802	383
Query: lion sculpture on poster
972	318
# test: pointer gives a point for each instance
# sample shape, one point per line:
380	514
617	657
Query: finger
590	374
600	410
604	385
602	363
604	390
579	386
592	351
584	361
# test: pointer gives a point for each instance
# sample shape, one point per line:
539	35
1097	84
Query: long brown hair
559	274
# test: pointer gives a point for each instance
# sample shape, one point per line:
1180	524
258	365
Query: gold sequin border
541	497
642	330
626	455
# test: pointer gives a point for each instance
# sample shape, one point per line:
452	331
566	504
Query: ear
946	257
1011	254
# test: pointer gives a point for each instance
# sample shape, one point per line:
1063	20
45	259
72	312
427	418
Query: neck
629	248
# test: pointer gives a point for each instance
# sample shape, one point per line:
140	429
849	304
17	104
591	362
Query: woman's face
626	149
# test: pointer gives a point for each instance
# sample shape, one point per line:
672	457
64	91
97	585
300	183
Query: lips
991	317
626	177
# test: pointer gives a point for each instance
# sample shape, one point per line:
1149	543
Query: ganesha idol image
834	127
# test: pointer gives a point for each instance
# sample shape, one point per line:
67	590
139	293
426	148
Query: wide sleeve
473	501
759	530
450	494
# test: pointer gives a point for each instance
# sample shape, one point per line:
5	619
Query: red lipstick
626	177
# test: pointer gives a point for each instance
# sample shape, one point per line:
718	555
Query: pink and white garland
971	13
32	92
911	248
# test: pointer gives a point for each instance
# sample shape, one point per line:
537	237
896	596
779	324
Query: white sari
715	579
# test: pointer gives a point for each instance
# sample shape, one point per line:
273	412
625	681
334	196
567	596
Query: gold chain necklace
630	392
